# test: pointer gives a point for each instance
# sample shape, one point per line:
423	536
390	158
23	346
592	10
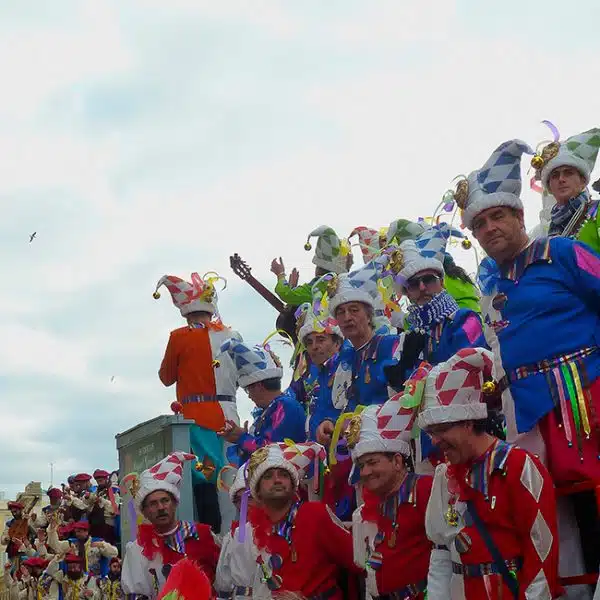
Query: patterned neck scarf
561	214
424	318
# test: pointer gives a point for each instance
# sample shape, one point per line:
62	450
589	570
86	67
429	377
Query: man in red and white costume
389	527
302	545
165	540
485	486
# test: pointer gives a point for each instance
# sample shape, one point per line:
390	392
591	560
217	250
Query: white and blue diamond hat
497	183
253	363
427	251
357	286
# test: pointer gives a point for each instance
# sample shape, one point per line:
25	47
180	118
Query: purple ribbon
243	517
132	520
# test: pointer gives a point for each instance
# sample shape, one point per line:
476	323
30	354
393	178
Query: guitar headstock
239	266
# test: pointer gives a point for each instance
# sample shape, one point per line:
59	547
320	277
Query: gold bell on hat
308	247
216	363
537	162
466	244
156	295
489	387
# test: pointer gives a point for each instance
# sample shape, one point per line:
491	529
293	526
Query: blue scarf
424	318
561	214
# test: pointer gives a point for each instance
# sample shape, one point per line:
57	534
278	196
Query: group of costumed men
446	449
68	549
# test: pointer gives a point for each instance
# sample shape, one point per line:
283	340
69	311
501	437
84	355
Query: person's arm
467	331
439	575
54	543
107	550
335	539
583	266
168	368
294	296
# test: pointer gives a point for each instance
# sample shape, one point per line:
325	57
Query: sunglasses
414	283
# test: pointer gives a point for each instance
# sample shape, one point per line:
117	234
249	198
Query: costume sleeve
135	578
223	578
583	265
465	294
107	550
467	331
440	575
335	539
168	368
293	296
533	499
287	421
54	543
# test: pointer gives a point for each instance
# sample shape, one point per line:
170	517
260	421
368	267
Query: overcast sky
147	137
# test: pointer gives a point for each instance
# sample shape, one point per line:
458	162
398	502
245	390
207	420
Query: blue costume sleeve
583	266
283	419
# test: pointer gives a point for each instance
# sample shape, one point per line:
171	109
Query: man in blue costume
543	304
282	417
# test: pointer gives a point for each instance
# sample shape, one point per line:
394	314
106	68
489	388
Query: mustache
162	513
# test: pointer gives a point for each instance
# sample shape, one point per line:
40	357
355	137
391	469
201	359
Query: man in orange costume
206	387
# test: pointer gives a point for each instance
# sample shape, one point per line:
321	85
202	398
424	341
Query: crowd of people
440	436
70	548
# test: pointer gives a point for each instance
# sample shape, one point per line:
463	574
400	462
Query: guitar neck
267	294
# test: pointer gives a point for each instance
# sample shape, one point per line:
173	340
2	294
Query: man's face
354	319
423	286
159	508
36	572
275	486
565	183
17	513
321	347
453	439
55	501
500	231
102	482
380	472
115	568
81	534
256	392
76	486
74	570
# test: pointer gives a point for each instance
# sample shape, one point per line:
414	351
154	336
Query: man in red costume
165	540
389	527
301	546
492	511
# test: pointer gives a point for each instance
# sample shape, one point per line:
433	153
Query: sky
140	138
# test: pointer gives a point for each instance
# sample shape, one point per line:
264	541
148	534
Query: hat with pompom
198	296
253	363
331	252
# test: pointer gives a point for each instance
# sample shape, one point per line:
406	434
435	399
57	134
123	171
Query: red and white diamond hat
198	296
455	390
166	475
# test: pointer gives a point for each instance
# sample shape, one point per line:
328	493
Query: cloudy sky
144	137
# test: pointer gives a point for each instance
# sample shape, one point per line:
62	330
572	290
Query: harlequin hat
370	241
166	475
579	151
497	183
401	230
198	296
331	253
358	286
253	363
315	318
456	389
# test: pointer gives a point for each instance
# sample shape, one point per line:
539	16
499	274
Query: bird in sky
32	236
112	378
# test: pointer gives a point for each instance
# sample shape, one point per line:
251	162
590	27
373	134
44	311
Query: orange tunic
188	361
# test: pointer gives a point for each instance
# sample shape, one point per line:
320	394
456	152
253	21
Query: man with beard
95	552
17	531
110	586
49	512
105	508
71	582
79	502
163	540
492	510
31	580
302	546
